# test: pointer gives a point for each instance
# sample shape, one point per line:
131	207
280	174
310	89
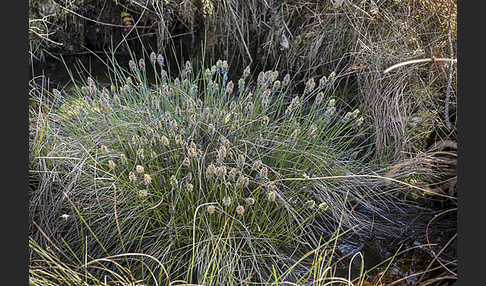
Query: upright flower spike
141	64
211	209
147	179
249	201
164	140
210	170
286	80
188	68
319	98
224	67
104	149
219	65
322	82
323	206
189	187
221	171
173	181
242	181
271	196
160	60
153	58
132	177
309	86
261	78
246	72
229	88
263	172
227	201
310	204
132	65
186	162
257	164
111	165
240	210
123	159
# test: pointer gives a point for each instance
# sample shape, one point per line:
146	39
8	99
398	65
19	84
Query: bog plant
220	182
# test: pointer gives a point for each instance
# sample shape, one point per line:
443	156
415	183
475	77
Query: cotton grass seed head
224	67
173	181
140	153
210	170
104	149
164	140
123	159
139	169
221	171
240	210
229	88
189	187
147	179
132	177
246	72
211	209
261	78
286	80
186	162
242	181
257	164
322	82
227	201
160	60
263	172
232	174
188	67
141	64
132	65
323	206
222	152
241	160
271	196
153	58
111	164
309	86
249	201
310	204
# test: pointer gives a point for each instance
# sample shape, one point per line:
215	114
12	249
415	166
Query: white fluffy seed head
147	179
271	196
227	201
211	209
240	210
250	201
143	193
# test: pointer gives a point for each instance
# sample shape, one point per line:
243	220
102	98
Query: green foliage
216	181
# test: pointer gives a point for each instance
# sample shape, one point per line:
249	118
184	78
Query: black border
14	94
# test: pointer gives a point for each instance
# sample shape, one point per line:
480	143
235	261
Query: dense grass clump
217	182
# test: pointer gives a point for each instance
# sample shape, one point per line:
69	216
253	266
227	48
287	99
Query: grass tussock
211	181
